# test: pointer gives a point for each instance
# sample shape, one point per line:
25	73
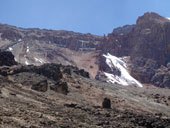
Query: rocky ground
63	96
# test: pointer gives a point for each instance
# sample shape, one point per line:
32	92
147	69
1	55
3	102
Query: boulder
60	87
106	103
41	86
7	58
81	72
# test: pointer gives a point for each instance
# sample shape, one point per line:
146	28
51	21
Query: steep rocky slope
36	46
54	95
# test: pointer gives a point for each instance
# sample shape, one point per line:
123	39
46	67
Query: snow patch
26	61
19	40
39	60
168	18
10	49
15	59
28	50
125	78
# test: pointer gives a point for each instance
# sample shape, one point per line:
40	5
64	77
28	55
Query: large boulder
7	58
106	103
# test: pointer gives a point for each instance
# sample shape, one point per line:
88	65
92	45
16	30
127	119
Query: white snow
39	60
28	50
168	18
125	78
19	40
15	59
10	49
26	62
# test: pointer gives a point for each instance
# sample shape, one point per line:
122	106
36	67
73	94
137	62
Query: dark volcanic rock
60	87
50	70
42	86
106	103
81	72
104	67
6	58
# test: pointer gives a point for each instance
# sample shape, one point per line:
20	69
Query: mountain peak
149	17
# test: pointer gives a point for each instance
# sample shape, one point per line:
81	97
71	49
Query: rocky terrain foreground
53	95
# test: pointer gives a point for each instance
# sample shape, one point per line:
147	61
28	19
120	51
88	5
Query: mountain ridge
147	44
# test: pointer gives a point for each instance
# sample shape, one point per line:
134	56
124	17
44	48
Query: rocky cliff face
36	46
147	43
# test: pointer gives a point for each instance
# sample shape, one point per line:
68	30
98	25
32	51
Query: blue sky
86	16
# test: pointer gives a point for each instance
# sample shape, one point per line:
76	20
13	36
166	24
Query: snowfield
125	78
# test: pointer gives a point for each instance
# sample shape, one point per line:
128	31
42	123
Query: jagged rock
123	30
41	86
162	77
7	58
81	72
143	69
50	70
67	70
60	87
106	103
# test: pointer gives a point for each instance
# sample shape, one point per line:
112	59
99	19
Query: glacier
125	78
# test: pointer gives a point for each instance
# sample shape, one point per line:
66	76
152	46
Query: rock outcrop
41	86
7	58
60	87
161	77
